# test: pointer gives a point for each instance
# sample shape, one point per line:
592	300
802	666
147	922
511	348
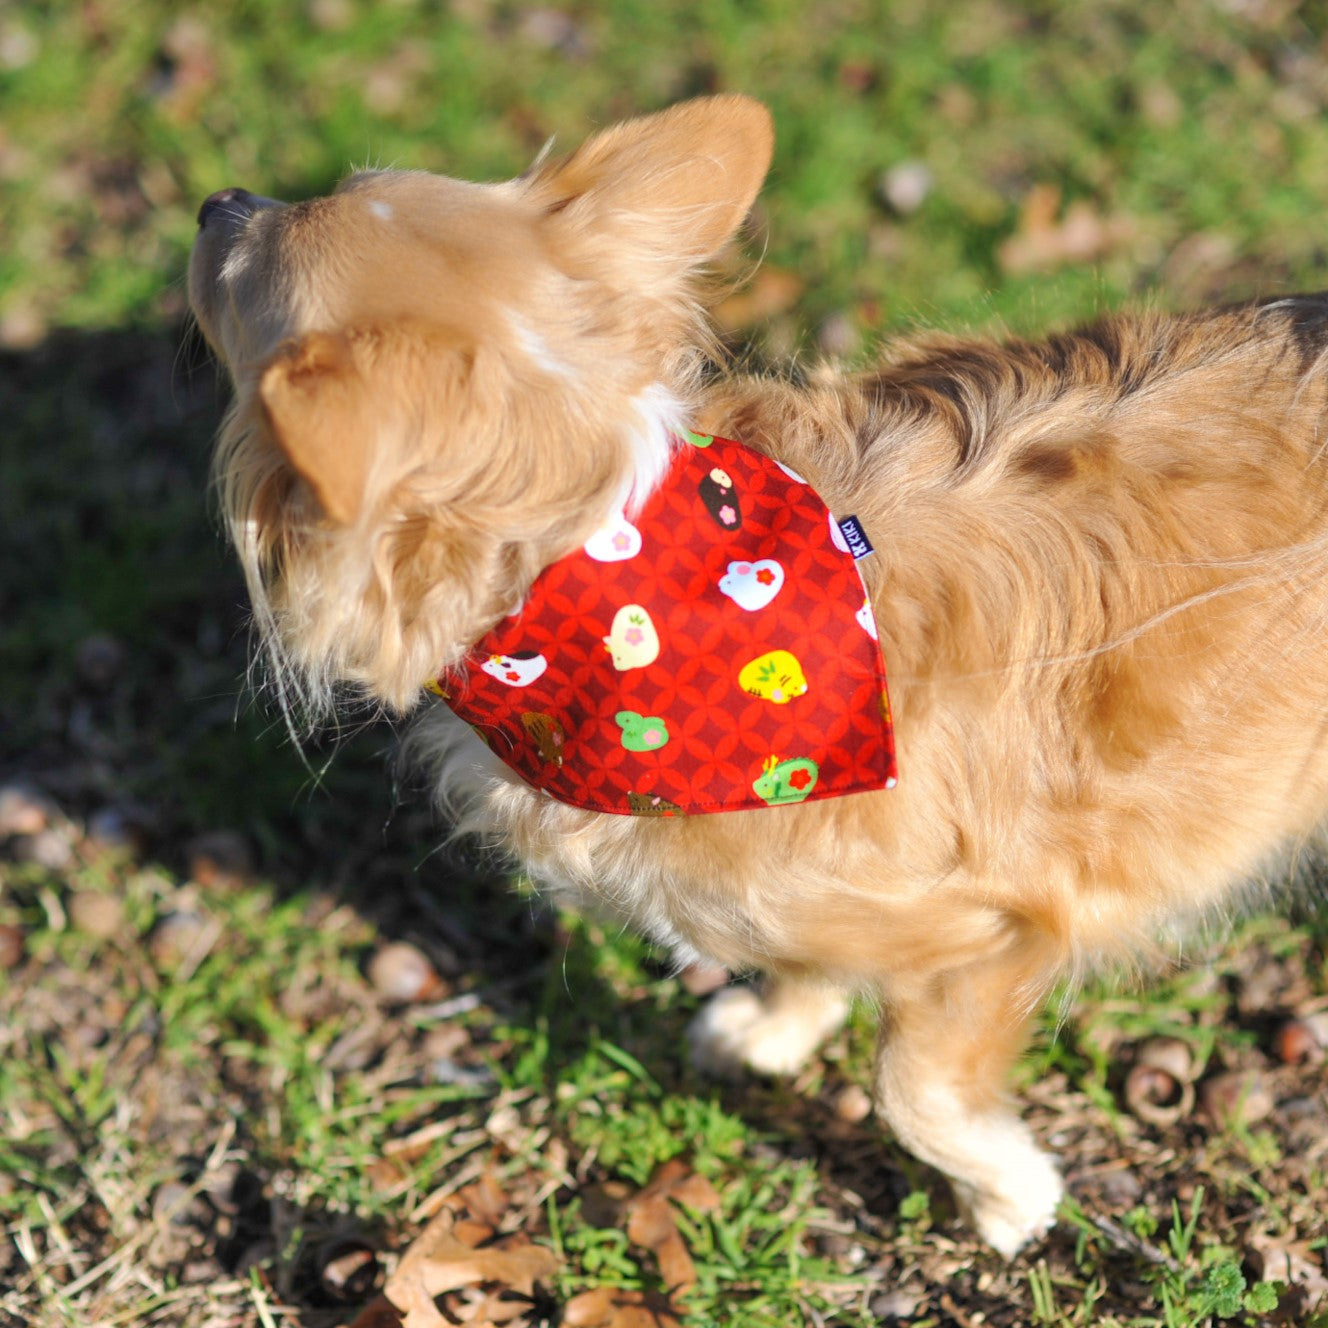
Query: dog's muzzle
232	205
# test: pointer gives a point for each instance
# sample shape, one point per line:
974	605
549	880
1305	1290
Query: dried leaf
652	1222
486	1200
379	1313
606	1307
772	292
1042	241
438	1262
1297	1263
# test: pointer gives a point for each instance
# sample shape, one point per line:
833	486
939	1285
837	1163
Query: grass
199	1095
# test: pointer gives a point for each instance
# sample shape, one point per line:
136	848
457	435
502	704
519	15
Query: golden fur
1098	581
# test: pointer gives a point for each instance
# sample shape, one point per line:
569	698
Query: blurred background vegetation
973	159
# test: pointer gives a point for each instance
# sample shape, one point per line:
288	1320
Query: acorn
1160	1087
1157	1096
1301	1041
402	974
1239	1097
1171	1054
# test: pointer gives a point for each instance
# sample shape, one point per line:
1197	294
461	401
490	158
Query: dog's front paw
1007	1219
738	1029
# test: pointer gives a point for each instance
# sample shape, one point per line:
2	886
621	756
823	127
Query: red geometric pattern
713	653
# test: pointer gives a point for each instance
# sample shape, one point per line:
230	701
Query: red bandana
715	652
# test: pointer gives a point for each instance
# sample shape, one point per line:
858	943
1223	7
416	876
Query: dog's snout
234	203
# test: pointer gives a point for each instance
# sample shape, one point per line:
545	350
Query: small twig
1122	1239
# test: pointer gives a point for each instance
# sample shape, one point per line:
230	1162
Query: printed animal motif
632	640
548	735
867	619
646	804
752	586
614	542
775	676
787	781
518	670
721	499
642	733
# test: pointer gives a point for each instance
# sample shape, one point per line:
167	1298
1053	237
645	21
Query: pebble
853	1104
899	1306
401	973
1121	1189
96	914
837	337
1239	1097
24	810
48	848
905	187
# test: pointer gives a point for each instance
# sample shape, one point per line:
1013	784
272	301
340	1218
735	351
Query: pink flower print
727	515
634	636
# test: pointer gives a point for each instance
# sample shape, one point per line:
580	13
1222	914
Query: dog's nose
236	204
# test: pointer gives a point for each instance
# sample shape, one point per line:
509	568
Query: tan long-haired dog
1098	582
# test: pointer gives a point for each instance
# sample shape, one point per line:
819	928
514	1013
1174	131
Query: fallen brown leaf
772	292
379	1313
1297	1263
440	1260
486	1200
606	1307
653	1224
1044	239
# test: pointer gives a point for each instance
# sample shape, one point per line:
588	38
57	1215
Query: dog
1095	567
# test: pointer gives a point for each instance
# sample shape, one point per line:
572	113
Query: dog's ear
316	402
678	183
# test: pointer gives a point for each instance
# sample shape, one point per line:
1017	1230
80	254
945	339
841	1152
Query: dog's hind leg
773	1031
945	1051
